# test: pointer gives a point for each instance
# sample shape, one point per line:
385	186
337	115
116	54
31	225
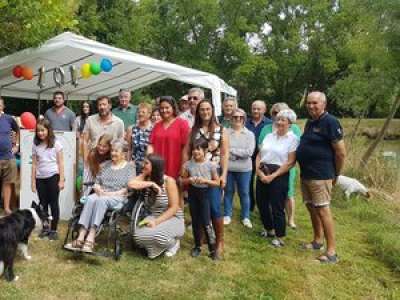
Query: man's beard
104	113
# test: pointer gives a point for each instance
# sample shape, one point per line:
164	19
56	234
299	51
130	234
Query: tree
28	23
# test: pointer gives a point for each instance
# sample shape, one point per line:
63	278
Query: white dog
351	185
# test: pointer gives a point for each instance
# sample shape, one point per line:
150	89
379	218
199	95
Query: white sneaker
174	249
247	223
227	220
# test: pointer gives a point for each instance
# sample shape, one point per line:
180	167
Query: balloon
95	68
85	71
78	183
74	75
59	76
41	80
28	120
106	65
27	73
17	71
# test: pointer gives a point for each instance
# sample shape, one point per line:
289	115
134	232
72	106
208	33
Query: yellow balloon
85	71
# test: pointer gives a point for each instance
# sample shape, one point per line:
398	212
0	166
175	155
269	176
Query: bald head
316	104
258	109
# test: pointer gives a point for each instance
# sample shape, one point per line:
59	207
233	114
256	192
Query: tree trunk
356	127
367	155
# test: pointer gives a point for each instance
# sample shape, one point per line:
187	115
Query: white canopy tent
130	71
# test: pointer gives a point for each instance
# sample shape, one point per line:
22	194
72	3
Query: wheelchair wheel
117	248
138	214
72	231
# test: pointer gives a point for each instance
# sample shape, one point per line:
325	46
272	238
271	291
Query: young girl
47	174
200	174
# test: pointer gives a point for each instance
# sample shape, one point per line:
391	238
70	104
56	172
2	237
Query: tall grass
382	176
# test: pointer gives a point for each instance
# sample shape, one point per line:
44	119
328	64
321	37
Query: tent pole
38	104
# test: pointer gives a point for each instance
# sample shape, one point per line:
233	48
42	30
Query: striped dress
160	238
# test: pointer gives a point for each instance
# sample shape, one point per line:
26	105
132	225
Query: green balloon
78	183
95	68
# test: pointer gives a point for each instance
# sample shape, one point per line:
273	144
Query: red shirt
169	142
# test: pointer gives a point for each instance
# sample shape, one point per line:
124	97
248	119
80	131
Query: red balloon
27	73
28	120
17	71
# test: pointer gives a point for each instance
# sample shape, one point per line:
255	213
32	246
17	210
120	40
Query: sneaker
227	220
174	249
247	223
277	243
195	252
53	235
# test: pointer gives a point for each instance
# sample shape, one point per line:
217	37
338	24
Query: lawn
369	267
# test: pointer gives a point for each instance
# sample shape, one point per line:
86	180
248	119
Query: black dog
15	231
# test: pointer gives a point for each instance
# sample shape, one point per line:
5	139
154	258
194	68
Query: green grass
251	269
369	268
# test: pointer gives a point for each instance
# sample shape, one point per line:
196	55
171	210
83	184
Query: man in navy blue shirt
8	166
321	156
255	123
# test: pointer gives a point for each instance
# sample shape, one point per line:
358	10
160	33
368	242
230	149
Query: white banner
67	196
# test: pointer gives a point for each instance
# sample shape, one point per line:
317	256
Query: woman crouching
110	193
162	230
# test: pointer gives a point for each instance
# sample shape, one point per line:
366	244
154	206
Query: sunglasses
238	117
193	98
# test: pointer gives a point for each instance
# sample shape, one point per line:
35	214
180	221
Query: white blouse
275	149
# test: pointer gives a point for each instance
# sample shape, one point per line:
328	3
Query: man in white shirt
102	122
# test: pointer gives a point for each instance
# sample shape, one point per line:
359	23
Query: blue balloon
106	65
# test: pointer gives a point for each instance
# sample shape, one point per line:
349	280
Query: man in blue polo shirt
8	166
321	155
255	123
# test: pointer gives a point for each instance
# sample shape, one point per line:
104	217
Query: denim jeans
242	182
214	195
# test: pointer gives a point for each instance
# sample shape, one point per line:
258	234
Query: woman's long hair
51	138
157	169
83	115
198	123
95	159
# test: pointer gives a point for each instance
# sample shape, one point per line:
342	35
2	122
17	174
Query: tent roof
130	71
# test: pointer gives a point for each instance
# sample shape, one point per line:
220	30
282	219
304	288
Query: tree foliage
267	49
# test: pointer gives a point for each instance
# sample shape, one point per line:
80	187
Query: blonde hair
146	106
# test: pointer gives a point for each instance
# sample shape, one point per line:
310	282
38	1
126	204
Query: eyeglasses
193	98
238	117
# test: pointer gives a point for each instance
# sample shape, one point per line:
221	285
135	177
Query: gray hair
288	114
241	111
278	107
233	99
317	94
197	90
120	145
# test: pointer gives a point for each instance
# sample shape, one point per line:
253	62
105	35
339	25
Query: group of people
179	153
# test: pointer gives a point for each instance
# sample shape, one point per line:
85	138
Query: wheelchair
117	224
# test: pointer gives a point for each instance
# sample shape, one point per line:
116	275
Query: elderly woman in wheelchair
110	192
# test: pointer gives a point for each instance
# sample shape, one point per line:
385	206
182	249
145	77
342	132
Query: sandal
312	246
88	247
74	245
328	259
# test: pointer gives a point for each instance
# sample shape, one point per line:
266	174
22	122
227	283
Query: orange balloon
27	73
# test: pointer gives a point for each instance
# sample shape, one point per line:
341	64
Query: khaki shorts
316	192
8	170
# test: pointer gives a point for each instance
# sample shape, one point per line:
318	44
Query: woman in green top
290	204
